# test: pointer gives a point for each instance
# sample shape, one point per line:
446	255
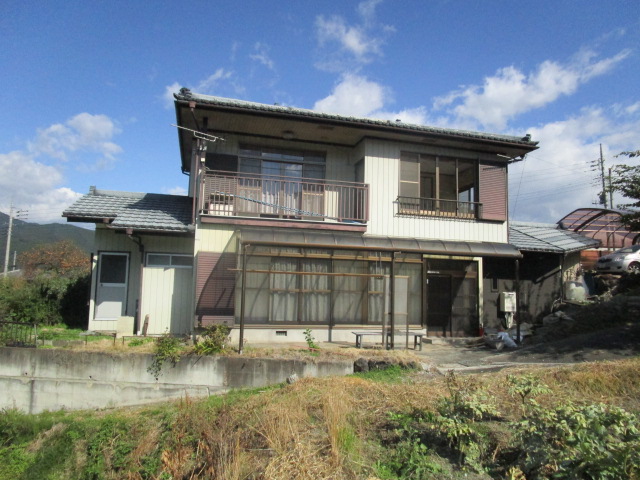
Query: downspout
562	255
392	298
242	296
518	299
138	241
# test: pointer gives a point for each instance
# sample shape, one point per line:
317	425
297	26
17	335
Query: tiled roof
543	237
140	211
186	95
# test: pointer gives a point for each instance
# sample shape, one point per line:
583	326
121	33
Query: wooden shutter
215	288
493	191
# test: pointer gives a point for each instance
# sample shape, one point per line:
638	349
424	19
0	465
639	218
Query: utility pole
604	191
8	249
610	189
598	166
17	213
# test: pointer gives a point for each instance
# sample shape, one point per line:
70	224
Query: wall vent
281	333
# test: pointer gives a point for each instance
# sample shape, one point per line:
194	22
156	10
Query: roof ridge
186	95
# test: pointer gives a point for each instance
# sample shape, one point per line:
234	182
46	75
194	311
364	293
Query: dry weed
336	406
41	439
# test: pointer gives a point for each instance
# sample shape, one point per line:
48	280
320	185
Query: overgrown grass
390	424
62	332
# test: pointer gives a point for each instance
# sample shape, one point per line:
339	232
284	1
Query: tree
625	179
61	259
54	286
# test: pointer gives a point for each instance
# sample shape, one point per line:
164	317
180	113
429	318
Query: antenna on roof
197	134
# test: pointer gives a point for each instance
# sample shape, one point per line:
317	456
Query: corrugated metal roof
543	237
313	239
186	95
140	211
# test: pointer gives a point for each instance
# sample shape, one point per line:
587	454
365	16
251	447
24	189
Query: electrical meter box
507	301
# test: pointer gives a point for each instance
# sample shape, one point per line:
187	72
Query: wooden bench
417	337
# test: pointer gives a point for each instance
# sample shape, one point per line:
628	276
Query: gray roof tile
543	237
140	211
186	95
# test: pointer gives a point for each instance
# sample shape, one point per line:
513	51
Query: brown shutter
493	192
215	288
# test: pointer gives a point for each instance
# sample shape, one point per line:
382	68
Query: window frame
169	264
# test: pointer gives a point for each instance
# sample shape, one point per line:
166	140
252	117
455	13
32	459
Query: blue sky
86	86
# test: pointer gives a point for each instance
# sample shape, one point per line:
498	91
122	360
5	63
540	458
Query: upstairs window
438	185
282	163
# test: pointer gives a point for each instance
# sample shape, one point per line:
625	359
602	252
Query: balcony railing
432	207
272	196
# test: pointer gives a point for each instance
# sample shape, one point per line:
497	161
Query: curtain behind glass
284	292
316	293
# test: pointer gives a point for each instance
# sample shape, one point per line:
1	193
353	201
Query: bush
167	349
571	441
214	340
45	300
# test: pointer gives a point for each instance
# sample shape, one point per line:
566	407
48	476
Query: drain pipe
518	300
138	241
242	296
392	301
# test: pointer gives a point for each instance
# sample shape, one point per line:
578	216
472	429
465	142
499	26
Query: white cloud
167	96
261	55
558	177
351	38
358	44
31	178
32	186
510	92
175	191
83	133
357	96
209	84
353	95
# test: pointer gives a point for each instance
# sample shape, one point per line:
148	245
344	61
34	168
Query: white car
624	260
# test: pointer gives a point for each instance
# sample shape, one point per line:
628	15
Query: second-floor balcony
433	207
271	196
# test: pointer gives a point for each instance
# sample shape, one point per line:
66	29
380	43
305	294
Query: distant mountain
27	235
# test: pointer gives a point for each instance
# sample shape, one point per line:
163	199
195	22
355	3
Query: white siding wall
382	168
107	240
215	238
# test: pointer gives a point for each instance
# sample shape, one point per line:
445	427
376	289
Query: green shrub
587	441
311	342
214	340
45	300
167	349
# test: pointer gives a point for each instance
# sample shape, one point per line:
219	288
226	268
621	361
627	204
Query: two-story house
297	219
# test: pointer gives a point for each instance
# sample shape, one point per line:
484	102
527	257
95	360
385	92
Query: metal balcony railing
432	207
272	196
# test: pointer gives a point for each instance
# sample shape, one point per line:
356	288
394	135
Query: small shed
551	257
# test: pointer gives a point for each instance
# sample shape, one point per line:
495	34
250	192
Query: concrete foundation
34	380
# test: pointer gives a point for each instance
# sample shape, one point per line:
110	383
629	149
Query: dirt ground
611	344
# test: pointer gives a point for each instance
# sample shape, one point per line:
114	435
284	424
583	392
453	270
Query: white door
111	294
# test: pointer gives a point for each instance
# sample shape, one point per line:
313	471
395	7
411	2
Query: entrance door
451	290
111	294
439	305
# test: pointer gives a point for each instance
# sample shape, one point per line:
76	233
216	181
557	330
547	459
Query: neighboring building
603	224
315	212
551	258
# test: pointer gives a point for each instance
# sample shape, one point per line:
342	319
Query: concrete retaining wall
34	380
